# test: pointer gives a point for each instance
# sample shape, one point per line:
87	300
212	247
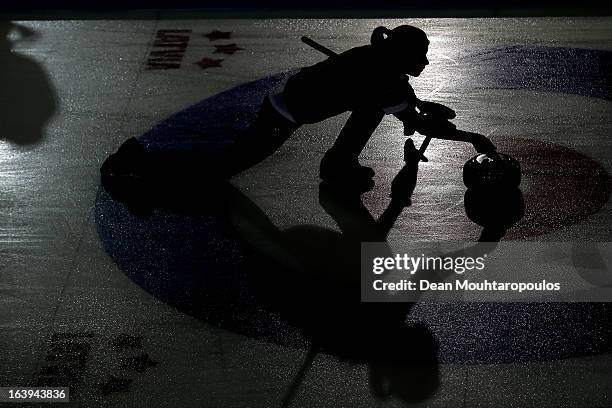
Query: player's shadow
27	98
307	276
229	265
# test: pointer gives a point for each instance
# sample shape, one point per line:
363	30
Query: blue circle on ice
201	265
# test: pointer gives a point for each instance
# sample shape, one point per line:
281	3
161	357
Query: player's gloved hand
430	126
482	144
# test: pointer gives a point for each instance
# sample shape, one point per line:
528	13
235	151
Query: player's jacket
358	79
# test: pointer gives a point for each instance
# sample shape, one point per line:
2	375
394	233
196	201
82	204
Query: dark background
46	9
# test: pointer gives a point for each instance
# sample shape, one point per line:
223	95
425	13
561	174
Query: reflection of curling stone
494	209
495	170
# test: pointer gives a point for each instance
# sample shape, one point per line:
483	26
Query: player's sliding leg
341	162
263	137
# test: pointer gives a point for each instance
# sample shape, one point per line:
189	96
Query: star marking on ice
208	63
218	35
227	49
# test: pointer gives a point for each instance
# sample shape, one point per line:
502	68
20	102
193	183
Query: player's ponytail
379	35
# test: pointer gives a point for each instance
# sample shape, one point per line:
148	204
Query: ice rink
81	301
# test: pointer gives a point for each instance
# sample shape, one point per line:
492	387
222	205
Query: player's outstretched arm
448	131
